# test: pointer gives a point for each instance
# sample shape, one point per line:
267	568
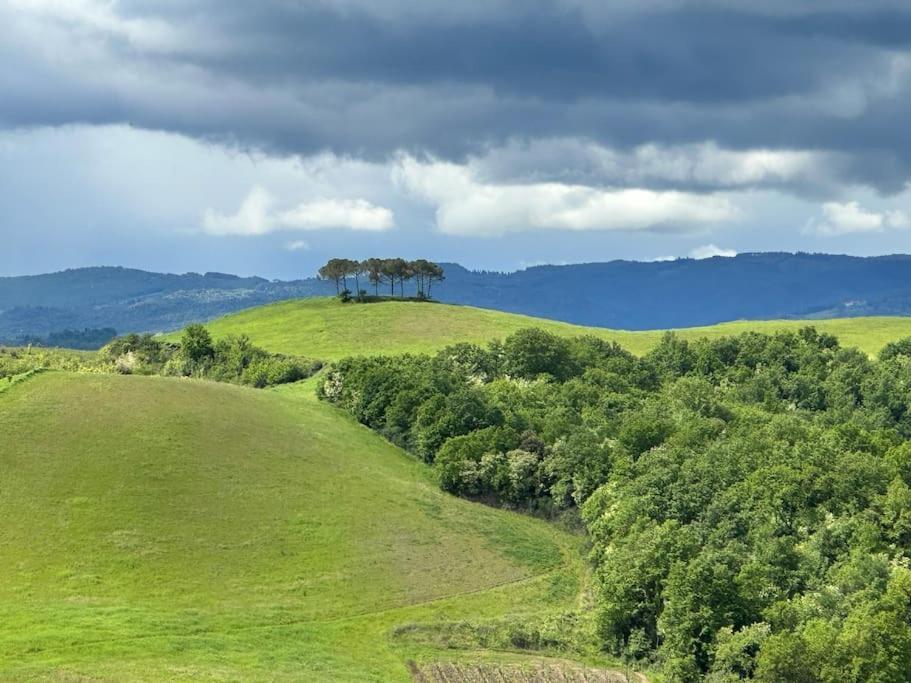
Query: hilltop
327	329
615	294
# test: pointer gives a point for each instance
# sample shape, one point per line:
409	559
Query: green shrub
196	343
232	359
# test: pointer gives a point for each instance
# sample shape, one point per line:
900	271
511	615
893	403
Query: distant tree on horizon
354	269
431	272
374	269
379	271
404	272
333	270
391	269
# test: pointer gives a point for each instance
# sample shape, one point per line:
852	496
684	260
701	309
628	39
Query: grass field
165	529
162	529
326	329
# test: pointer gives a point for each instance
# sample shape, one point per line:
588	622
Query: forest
747	500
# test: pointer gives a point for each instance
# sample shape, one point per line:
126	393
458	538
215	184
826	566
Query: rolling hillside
326	329
182	529
159	529
614	294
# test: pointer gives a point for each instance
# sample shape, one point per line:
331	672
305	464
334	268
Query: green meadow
325	328
162	529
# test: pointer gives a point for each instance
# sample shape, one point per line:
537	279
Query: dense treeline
748	499
379	272
86	339
229	359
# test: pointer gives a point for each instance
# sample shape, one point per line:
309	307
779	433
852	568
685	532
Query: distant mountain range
129	300
687	292
618	294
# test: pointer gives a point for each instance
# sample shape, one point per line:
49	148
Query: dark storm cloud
452	78
708	56
552	52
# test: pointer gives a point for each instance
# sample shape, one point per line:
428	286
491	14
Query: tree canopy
380	272
747	499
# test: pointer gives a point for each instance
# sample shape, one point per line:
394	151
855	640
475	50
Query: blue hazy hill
618	294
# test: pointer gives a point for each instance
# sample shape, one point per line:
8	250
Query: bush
196	343
534	352
458	463
232	359
275	370
461	412
178	366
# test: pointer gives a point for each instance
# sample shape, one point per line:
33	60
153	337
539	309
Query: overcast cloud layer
263	137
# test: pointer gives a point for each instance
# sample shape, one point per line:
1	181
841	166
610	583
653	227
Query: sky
266	137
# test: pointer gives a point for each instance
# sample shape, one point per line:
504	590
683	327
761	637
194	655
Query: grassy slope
153	529
326	329
157	529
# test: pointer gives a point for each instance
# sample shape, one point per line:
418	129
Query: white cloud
897	219
254	217
356	214
851	217
297	245
710	250
257	215
466	206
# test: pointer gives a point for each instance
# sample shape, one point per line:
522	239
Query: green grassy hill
327	329
162	529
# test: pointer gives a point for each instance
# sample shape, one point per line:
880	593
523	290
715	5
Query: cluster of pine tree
379	272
